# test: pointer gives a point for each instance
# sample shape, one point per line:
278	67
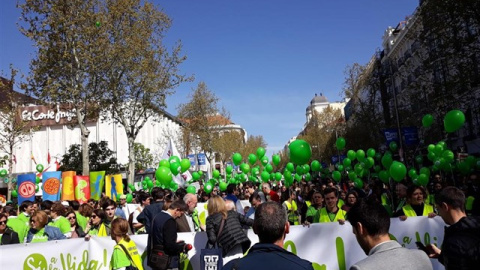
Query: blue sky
264	59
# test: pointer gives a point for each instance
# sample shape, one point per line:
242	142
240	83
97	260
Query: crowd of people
162	214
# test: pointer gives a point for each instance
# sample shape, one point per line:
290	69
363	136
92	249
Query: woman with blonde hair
224	228
125	253
40	231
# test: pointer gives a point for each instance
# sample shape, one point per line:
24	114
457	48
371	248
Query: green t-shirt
62	223
19	227
119	259
81	220
40	237
26	219
93	231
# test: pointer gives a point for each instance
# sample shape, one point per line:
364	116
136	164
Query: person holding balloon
416	204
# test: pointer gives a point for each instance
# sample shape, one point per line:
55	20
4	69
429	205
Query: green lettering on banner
290	244
69	262
342	265
35	261
317	266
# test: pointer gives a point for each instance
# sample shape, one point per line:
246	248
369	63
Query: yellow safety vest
308	203
292	212
102	230
409	212
132	251
340	203
325	218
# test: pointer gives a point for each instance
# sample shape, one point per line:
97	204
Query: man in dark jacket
163	234
271	226
155	207
461	243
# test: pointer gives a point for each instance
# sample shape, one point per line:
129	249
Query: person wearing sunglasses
76	230
95	224
40	231
7	235
58	220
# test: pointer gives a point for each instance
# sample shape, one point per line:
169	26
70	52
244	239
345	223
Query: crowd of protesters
319	200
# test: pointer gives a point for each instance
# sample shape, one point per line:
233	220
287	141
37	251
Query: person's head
97	217
437	187
119	230
343	195
35	206
123	200
250	187
229	205
109	206
270	224
370	223
92	203
449	201
191	200
143	198
57	210
266	188
38	220
177	208
3	222
401	191
27	207
255	200
352	197
331	199
416	195
72	218
216	204
85	210
317	199
158	194
180	193
231	188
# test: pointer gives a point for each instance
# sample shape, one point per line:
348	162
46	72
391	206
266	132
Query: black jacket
268	256
9	237
461	245
232	233
148	213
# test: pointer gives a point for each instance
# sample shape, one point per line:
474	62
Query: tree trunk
10	170
85	157
131	160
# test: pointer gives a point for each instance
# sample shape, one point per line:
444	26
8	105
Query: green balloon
453	120
191	190
427	120
216	174
290	167
245	168
174	159
38	180
260	152
149	183
306	168
287	175
164	175
278	176
195	176
371	152
299	170
378	156
358	183
347	162
175	168
14	193
264	160
352	155
265	176
387	161
300	152
3	173
412	173
164	163
422	179
398	171
337	176
129	198
276	159
229	169
298	177
425	171
340	168
252	159
448	156
237	159
340	143
360	155
384	176
393	146
39	168
315	165
308	177
173	186
185	164
208	188
223	186
352	176
269	168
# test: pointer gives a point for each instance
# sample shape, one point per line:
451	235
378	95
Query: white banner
328	246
